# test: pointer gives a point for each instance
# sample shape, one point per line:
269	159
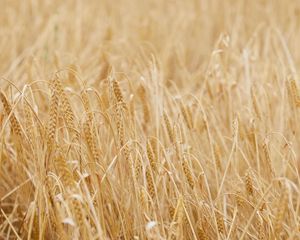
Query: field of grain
149	119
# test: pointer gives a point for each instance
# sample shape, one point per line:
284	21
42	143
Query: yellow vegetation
155	119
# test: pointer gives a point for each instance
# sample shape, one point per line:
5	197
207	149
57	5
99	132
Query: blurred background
185	37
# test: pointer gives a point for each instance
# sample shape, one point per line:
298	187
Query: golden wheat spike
151	156
281	211
68	113
15	125
150	183
168	127
118	93
249	184
188	173
53	117
294	92
220	223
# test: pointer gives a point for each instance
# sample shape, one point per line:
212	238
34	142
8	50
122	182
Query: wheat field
149	119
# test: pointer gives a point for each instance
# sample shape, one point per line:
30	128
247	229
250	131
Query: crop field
150	119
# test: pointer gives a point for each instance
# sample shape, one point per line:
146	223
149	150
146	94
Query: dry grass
149	119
